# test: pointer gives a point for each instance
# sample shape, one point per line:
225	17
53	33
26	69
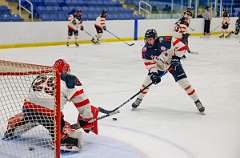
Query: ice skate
221	36
70	144
76	44
67	44
136	103
199	105
95	41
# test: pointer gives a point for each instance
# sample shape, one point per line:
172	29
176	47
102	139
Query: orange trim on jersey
82	103
191	92
78	93
149	63
176	41
183	48
144	92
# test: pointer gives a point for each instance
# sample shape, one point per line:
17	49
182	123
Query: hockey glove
175	62
83	123
155	77
104	28
90	124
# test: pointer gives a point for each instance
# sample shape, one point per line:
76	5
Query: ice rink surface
167	124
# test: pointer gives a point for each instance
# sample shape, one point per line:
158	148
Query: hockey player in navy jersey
38	109
161	55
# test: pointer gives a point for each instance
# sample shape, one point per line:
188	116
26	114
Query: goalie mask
62	66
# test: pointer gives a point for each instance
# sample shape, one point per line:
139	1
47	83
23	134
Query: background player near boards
100	25
75	23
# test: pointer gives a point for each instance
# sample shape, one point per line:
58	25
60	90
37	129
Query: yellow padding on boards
44	44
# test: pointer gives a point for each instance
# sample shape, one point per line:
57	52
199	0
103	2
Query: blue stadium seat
4	10
90	8
9	17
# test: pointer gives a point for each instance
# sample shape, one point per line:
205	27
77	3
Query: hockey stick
118	107
192	29
111	112
129	44
93	38
89	34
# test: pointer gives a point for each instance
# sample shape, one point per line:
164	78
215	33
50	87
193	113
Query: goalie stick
77	125
129	44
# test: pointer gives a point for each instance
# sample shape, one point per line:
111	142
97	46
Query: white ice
167	125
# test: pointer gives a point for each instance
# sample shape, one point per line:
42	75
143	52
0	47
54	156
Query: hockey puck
114	119
30	148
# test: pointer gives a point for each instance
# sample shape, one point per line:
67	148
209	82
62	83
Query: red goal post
25	132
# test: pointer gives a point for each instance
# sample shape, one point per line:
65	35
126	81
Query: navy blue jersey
161	44
163	49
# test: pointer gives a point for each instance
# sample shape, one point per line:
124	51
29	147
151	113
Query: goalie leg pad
71	139
17	125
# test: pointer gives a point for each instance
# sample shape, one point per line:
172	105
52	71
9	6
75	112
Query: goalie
38	109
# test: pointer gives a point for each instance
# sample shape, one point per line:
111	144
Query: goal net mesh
28	111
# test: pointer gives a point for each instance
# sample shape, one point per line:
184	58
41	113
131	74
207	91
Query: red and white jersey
226	21
41	96
74	23
181	27
100	21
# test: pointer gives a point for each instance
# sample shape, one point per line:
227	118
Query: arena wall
28	34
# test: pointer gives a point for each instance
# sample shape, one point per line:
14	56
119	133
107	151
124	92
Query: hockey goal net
28	127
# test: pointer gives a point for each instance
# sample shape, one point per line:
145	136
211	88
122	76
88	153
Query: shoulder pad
70	80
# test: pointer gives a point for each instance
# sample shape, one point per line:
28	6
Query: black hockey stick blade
131	44
77	126
105	111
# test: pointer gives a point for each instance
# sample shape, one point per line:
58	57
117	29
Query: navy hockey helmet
225	13
150	33
188	12
104	13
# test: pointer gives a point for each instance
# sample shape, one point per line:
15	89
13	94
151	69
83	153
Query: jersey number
45	84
